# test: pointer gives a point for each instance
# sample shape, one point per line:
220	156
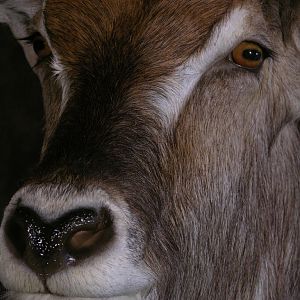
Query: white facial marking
12	11
173	95
59	73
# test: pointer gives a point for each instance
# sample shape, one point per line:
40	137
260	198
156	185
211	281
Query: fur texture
206	206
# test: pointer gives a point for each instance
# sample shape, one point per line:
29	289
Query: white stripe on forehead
172	96
60	75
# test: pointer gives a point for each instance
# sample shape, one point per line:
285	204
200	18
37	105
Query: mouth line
44	282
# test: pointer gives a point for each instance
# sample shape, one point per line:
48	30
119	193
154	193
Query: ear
18	14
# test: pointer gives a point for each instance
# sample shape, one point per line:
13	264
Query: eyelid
264	43
267	51
29	39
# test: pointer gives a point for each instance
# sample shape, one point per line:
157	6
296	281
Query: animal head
170	164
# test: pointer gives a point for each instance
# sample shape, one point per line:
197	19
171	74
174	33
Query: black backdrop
20	117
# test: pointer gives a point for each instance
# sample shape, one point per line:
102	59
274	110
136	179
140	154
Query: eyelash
29	39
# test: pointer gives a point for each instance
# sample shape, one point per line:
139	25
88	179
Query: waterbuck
170	166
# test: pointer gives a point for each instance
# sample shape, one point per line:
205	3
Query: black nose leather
49	247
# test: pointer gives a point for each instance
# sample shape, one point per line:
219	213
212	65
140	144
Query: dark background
20	117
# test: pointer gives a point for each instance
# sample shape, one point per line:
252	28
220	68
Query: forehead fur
153	28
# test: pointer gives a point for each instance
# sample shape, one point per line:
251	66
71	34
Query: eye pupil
38	45
252	54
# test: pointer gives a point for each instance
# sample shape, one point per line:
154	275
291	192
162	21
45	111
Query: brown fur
217	195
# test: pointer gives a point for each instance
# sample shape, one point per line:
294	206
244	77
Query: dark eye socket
249	55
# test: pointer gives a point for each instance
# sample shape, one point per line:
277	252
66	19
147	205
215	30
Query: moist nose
49	247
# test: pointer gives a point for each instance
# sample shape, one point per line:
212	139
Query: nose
49	247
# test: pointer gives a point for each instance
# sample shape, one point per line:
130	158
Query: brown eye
248	55
40	47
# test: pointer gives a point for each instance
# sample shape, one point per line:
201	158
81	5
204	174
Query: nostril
16	235
85	240
47	247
